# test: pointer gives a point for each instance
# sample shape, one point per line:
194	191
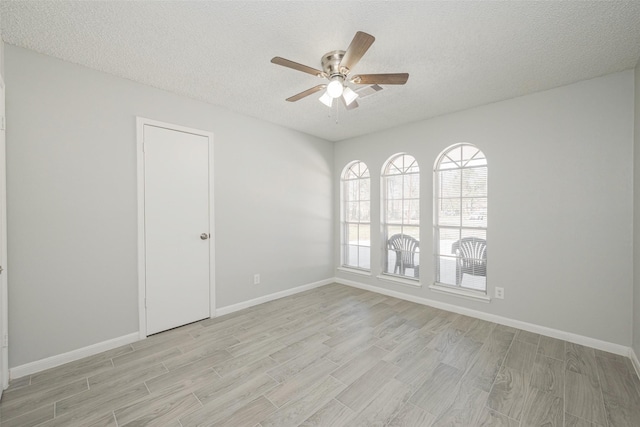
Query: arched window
356	221
460	219
401	216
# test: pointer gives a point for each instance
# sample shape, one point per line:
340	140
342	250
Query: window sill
399	280
475	296
355	271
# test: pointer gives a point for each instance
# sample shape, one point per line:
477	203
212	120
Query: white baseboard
634	360
531	327
61	359
266	298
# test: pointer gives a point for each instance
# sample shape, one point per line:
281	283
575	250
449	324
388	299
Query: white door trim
3	241
140	123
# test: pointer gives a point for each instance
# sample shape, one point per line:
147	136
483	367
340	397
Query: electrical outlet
256	279
500	293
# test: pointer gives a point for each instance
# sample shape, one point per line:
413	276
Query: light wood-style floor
334	356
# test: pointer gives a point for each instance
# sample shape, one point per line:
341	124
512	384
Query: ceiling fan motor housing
331	64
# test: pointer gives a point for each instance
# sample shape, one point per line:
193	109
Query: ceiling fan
336	67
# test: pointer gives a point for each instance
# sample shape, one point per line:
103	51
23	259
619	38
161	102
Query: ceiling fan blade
307	92
294	65
364	91
359	45
380	79
354	104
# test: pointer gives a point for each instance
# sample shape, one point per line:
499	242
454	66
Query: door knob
204	236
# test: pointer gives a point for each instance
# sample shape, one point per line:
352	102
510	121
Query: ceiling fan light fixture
336	68
335	87
326	99
349	95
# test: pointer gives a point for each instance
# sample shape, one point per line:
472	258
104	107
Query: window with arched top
356	218
401	216
460	218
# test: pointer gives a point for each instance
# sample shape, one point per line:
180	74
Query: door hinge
2	124
5	341
1	269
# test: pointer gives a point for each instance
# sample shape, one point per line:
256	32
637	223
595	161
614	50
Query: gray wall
71	148
560	179
560	203
1	55
636	215
2	58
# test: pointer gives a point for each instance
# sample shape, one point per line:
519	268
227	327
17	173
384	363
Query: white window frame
361	172
447	287
386	223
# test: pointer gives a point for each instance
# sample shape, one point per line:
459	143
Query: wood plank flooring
334	356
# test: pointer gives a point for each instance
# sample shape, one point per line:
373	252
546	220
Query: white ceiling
458	54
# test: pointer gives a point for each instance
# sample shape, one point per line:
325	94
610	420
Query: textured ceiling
458	54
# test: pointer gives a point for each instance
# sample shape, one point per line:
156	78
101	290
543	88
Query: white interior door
176	227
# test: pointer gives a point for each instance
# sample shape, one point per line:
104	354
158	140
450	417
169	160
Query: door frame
142	292
4	293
